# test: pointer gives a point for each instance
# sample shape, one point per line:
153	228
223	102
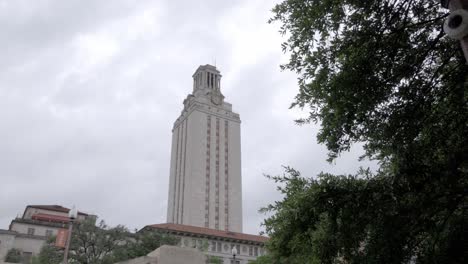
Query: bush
13	255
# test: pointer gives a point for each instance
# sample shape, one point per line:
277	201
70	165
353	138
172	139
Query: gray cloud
90	89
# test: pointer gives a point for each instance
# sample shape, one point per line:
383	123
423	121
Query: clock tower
205	185
207	83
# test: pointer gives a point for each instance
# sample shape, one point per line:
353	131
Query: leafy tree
90	244
100	244
49	253
93	243
214	260
143	243
265	259
35	260
383	73
13	255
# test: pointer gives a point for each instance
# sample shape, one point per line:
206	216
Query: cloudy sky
89	91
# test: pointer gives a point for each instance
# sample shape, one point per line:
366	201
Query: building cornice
39	223
8	232
32	236
203	235
207	109
55	208
16	234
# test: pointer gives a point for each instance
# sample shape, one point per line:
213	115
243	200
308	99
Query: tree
13	256
214	259
49	253
93	243
143	243
383	73
100	244
90	244
265	259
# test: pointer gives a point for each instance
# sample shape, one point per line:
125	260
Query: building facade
205	185
216	243
29	232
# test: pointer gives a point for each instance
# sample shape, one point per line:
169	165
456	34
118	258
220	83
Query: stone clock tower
205	185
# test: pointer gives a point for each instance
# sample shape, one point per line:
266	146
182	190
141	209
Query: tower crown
206	78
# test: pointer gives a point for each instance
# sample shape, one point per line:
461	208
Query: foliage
93	243
380	72
203	246
100	244
13	255
383	73
35	260
360	219
49	253
143	243
214	260
265	259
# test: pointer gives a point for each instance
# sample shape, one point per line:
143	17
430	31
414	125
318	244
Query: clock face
216	99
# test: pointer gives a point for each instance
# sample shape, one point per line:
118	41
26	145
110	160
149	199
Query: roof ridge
53	207
209	231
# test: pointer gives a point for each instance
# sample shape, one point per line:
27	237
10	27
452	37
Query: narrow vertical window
208	169
212	83
226	175
217	175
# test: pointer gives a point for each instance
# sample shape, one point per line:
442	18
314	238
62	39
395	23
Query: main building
205	186
205	183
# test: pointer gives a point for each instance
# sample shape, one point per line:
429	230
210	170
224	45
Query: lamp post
72	214
234	253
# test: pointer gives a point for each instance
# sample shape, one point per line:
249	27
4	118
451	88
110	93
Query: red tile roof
56	208
51	218
209	232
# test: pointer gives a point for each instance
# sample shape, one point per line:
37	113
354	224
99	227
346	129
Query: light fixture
73	213
234	252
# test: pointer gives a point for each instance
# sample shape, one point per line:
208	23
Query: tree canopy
380	72
101	244
13	256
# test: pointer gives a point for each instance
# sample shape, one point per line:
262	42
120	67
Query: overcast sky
89	91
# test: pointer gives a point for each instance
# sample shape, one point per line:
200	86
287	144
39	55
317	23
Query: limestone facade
205	184
170	255
217	243
29	232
